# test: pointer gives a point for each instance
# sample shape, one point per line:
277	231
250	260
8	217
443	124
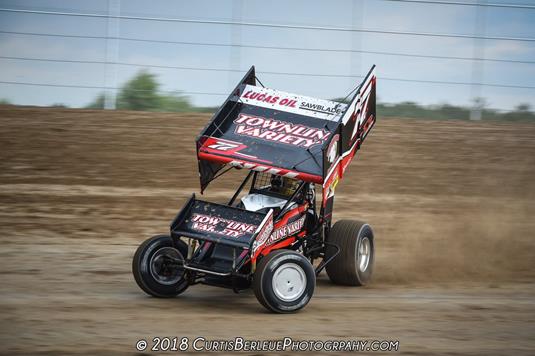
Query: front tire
353	266
284	281
151	270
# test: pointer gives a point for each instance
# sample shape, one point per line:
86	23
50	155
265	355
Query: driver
278	184
281	185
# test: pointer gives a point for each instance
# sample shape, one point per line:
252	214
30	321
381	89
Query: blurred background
436	59
446	178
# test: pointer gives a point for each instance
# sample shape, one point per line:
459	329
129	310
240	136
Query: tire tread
342	270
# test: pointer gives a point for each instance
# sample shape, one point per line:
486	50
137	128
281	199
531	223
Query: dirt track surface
452	205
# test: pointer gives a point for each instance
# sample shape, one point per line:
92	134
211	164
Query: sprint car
274	234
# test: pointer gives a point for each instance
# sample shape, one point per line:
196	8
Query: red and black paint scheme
300	142
284	139
355	124
276	133
230	239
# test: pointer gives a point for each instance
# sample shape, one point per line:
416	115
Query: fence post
355	59
477	62
235	40
112	54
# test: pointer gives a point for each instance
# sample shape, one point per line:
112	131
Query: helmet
282	185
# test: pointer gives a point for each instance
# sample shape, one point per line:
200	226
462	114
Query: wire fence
114	17
305	49
272	25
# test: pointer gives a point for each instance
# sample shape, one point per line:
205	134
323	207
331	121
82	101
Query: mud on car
274	234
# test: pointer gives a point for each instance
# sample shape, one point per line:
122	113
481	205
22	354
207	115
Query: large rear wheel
353	266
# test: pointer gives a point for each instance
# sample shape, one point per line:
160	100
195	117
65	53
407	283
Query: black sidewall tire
141	268
343	269
263	277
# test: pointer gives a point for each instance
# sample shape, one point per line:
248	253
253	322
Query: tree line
142	93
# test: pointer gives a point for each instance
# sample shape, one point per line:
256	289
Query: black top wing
280	133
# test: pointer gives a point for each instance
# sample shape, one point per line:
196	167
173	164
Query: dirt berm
452	204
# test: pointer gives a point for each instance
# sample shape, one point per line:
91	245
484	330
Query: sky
335	73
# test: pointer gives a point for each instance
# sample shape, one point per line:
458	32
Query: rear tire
150	271
284	281
353	266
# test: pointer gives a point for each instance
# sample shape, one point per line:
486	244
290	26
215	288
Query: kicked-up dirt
452	205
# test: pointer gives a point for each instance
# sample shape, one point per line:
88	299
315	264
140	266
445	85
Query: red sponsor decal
270	99
286	230
280	131
226	147
260	167
231	228
264	233
222	145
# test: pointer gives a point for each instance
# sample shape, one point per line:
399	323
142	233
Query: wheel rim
364	254
160	268
289	282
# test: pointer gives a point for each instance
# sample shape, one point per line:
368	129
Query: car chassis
271	237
